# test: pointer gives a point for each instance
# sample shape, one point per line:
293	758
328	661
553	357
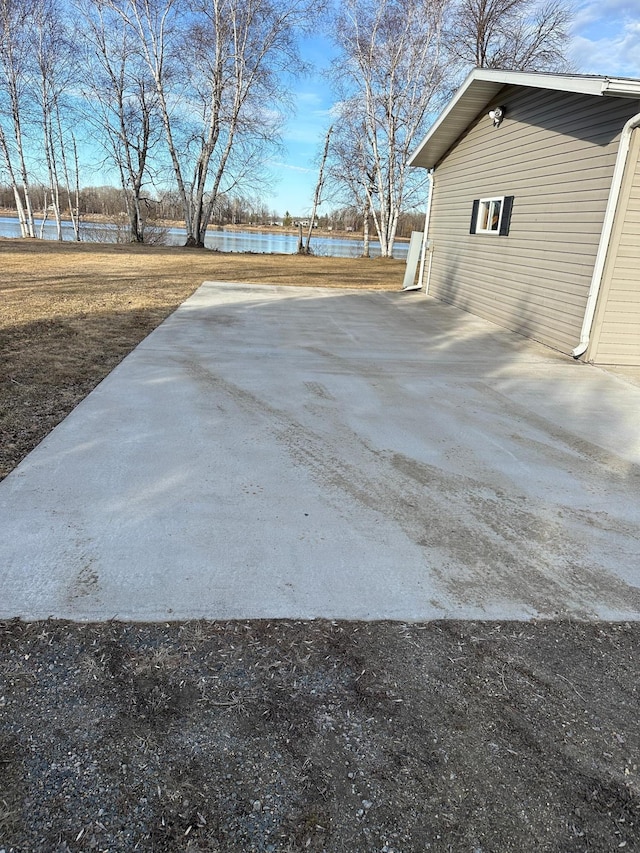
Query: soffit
483	85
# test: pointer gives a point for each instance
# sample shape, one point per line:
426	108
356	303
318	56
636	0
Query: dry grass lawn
71	312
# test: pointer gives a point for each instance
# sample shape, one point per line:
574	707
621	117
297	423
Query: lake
224	240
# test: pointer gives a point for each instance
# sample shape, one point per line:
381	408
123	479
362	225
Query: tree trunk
366	251
49	149
26	192
21	214
45	211
74	210
14	185
136	227
318	192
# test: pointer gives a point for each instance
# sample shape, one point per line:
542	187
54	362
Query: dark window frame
484	206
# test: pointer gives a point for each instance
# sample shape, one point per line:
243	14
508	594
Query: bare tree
15	20
67	141
37	69
54	69
351	171
217	67
388	72
519	35
123	101
317	196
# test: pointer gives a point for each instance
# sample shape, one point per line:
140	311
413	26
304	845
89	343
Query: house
533	218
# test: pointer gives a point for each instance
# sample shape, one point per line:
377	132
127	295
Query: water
223	240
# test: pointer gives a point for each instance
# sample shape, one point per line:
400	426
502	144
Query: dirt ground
319	736
282	736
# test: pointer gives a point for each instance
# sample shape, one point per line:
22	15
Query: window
491	215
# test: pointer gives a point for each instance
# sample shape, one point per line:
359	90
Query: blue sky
304	134
605	40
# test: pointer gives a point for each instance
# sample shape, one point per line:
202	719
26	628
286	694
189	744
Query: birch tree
54	70
389	73
45	40
317	196
124	104
37	70
350	172
68	145
217	67
15	19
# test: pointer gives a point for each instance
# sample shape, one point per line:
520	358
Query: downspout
425	233
605	237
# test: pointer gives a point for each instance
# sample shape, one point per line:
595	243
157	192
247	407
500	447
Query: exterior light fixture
496	115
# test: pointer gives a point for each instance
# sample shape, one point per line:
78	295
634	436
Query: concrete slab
292	452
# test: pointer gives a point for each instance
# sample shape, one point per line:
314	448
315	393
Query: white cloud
604	11
606	38
290	167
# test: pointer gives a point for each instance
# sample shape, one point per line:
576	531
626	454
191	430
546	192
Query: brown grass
71	312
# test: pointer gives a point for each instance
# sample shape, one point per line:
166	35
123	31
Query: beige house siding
615	337
555	153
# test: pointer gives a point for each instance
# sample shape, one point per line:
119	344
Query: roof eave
481	87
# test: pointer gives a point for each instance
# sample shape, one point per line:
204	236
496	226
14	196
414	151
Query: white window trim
489	201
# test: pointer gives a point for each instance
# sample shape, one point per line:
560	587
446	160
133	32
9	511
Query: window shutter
474	216
506	215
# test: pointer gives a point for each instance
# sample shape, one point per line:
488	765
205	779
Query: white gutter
623	87
425	233
605	236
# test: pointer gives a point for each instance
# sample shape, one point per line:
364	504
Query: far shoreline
100	219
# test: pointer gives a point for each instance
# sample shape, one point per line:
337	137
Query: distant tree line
111	203
191	95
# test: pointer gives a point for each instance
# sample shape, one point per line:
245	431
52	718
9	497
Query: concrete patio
278	452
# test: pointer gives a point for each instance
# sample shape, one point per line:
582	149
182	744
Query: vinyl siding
616	333
555	153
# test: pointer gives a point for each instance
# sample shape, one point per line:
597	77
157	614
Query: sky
297	168
605	39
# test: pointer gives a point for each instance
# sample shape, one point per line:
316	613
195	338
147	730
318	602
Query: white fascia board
581	84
